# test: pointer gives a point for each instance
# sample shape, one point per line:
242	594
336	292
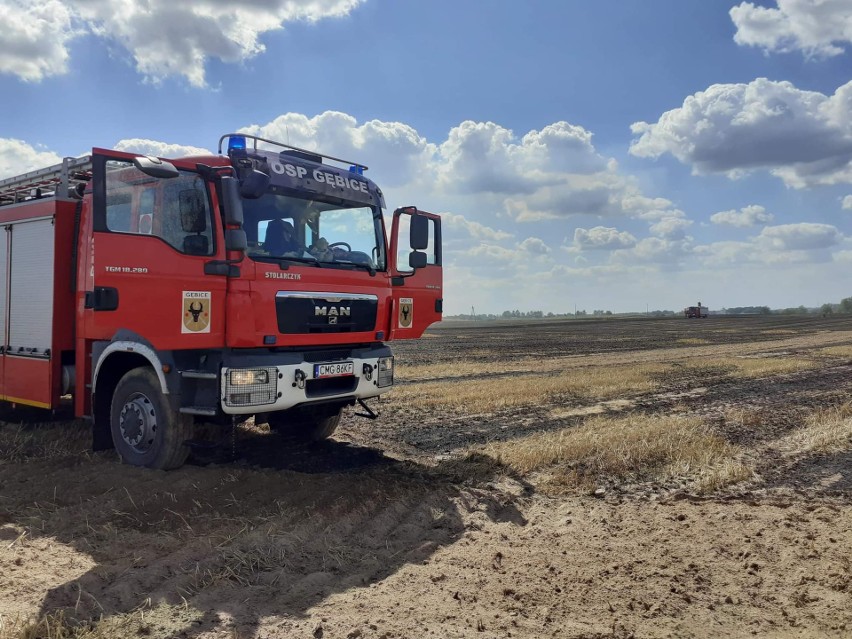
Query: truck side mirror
155	167
417	259
232	205
419	234
254	184
235	240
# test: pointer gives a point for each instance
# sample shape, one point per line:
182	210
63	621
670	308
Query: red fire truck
162	293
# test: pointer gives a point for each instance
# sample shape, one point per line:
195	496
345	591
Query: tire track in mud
237	544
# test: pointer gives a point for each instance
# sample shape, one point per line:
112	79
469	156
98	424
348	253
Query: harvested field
599	478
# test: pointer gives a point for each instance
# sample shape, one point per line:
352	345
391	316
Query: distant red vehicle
160	293
696	311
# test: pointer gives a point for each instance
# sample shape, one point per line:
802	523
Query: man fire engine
161	293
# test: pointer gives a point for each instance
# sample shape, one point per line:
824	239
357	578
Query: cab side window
118	208
177	210
185	215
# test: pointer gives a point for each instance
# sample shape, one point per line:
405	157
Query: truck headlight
249	377
251	386
385	376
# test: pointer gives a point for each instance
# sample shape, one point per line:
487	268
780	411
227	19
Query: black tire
145	430
306	424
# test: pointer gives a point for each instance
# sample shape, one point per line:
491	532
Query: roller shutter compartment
31	287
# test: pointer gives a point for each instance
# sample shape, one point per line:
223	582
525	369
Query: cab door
416	272
152	237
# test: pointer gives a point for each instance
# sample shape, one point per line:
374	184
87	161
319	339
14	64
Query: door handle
103	298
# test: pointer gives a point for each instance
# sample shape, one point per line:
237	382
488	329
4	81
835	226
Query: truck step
199	375
198	410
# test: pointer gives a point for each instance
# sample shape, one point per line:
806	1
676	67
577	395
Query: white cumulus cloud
159	149
672	225
815	27
804	236
751	215
164	38
803	137
847	203
602	238
486	157
656	250
17	157
457	224
34	43
534	245
392	149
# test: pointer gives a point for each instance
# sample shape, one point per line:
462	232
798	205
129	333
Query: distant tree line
844	306
518	314
747	310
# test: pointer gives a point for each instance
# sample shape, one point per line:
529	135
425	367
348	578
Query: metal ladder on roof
63	181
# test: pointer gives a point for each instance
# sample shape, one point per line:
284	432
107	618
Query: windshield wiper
286	261
367	267
301	260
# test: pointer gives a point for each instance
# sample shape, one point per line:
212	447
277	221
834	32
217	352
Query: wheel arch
115	361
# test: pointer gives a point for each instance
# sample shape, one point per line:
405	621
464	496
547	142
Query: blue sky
610	155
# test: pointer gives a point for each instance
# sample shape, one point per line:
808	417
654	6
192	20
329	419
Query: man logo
196	312
406	312
332	312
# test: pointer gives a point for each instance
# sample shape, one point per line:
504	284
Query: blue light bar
356	168
236	143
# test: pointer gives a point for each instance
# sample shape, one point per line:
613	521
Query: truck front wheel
306	424
145	430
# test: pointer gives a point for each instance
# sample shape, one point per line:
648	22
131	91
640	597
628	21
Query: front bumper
279	386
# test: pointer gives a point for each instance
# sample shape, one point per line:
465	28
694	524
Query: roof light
236	143
356	168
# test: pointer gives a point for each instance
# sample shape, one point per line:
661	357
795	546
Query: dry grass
19	442
827	430
766	366
837	351
241	564
752	367
479	395
58	626
161	621
692	341
746	418
626	448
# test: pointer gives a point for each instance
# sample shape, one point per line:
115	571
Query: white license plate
337	369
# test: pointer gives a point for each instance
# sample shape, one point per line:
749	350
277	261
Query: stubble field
599	478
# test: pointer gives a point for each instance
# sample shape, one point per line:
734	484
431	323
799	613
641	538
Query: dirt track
399	528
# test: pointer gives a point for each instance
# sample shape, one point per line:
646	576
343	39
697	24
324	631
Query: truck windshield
281	227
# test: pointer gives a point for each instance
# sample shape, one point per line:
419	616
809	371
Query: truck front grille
325	312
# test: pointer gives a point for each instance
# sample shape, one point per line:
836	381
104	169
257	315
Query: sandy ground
399	528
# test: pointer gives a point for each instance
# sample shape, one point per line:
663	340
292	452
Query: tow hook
370	414
367	371
300	379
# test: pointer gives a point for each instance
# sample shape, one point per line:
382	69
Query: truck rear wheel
305	424
145	430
